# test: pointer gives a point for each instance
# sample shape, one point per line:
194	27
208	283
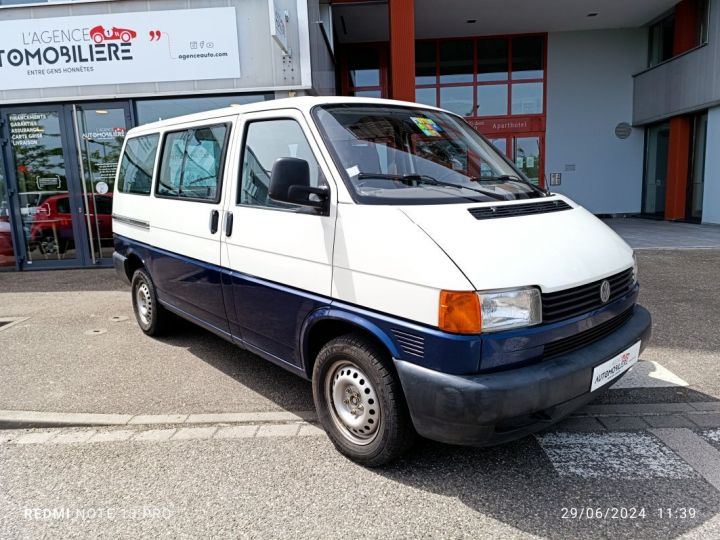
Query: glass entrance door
656	168
100	131
48	205
526	152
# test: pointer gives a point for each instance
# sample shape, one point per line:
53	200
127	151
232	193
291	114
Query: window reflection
527	98
456	61
527	57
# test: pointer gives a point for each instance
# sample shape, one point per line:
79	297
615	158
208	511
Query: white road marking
648	374
700	454
626	456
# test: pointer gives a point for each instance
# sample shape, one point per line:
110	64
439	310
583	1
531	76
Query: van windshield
403	155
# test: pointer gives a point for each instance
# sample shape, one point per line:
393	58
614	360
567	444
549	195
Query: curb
34	419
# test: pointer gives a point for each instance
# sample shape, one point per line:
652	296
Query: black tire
150	315
341	369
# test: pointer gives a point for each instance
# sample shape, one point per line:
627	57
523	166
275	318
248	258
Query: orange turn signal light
459	312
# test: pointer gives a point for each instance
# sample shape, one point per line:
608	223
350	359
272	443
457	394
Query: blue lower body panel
492	408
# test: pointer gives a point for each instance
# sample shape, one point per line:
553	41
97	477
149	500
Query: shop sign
120	48
508	124
278	26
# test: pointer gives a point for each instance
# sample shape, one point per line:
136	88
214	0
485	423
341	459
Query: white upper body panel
387	258
554	251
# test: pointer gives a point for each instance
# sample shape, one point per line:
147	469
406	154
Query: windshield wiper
505	178
429	180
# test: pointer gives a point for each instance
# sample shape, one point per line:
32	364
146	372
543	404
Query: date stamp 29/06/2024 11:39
627	512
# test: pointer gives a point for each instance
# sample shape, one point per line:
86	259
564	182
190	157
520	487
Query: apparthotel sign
119	48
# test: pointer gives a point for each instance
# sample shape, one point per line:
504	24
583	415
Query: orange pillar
686	30
684	39
402	49
678	167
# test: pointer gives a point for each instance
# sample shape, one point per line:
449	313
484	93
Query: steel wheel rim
144	303
353	403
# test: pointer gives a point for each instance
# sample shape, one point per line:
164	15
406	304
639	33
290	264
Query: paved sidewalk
653	234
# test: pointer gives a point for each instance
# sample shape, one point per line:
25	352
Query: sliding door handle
214	221
228	224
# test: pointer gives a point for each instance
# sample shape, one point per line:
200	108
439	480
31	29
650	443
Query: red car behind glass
99	34
51	228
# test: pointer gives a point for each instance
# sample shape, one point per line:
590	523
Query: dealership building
615	104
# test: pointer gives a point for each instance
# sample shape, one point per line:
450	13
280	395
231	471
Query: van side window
192	163
138	164
265	142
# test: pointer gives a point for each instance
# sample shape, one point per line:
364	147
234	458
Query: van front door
279	255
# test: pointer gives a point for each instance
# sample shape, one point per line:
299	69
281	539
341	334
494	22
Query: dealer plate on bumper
613	368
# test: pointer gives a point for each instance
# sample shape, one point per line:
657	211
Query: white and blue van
386	252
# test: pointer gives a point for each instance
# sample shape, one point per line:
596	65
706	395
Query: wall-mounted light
101	111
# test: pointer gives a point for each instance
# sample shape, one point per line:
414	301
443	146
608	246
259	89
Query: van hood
555	250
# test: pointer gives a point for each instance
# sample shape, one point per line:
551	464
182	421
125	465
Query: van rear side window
192	163
138	164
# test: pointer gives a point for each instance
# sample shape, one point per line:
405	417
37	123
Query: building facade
616	106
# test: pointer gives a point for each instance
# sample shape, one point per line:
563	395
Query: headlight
503	310
635	270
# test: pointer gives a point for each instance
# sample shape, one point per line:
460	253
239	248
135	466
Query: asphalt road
605	476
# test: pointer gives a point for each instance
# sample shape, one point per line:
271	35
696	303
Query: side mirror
290	183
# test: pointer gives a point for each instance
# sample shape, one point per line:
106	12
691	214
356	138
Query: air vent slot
513	210
411	344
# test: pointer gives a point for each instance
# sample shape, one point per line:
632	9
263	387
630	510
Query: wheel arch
326	324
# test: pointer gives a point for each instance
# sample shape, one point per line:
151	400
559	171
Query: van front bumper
492	408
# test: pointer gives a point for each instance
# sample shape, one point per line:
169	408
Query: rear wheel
151	316
360	403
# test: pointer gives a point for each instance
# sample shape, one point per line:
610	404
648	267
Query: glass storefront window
506	73
152	110
456	61
527	57
492	63
527	98
364	67
425	62
492	100
427	96
458	99
7	254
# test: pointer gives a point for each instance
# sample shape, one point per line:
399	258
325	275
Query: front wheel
360	403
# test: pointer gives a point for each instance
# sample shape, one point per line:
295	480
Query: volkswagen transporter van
386	252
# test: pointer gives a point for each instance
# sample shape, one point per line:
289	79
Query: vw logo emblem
605	291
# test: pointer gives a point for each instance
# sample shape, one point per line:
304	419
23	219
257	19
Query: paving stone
194	433
579	424
669	421
706	406
154	435
112	436
236	432
710	420
73	437
623	423
158	419
278	430
38	437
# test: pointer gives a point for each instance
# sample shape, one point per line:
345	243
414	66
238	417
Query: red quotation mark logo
155	35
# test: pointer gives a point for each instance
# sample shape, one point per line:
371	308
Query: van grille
410	343
561	305
512	210
583	339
